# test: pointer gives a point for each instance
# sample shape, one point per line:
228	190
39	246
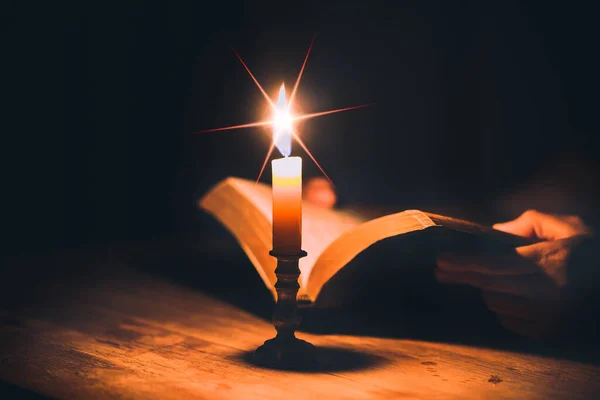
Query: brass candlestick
285	350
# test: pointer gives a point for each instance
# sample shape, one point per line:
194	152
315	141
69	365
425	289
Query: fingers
549	258
522	288
529	286
500	264
534	224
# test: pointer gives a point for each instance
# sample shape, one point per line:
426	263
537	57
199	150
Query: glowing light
283	120
254	79
293	96
228	128
262	169
282	125
321	113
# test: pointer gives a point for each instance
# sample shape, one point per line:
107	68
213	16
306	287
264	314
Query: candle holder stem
285	350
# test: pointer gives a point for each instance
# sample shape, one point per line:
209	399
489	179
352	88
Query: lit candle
287	184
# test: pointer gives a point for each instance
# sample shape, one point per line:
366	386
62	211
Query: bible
332	238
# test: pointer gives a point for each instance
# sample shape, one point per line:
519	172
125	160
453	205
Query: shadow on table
330	359
10	391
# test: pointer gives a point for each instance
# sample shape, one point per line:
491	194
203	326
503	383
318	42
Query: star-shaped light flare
283	119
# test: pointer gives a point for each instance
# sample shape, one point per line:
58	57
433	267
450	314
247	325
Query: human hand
319	191
526	287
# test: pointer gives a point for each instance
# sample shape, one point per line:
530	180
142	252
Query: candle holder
285	350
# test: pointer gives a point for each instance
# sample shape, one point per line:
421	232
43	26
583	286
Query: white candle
287	205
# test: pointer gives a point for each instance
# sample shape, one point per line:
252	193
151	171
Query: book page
354	241
320	228
242	213
477	229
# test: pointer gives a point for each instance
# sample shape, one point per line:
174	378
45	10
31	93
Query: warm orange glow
288	118
282	121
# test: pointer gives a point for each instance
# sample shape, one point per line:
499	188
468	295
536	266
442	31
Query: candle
287	184
287	205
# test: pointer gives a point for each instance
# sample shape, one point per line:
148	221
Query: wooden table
140	337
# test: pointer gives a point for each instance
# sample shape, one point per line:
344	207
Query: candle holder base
288	354
286	351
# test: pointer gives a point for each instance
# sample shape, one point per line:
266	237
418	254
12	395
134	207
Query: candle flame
282	124
283	120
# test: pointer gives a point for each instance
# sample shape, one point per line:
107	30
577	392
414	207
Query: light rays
228	128
301	117
262	169
295	89
321	113
294	118
301	143
254	79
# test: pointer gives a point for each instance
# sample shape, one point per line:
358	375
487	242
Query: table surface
141	337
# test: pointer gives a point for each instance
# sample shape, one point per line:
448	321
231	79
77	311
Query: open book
331	238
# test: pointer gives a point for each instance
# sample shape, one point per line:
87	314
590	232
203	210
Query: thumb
534	224
524	225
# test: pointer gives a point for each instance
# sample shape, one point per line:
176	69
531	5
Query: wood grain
142	338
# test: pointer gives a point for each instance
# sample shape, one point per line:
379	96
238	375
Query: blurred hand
319	192
525	288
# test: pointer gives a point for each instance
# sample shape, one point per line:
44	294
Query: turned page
354	241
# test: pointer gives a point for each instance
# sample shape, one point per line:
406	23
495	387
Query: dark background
481	108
